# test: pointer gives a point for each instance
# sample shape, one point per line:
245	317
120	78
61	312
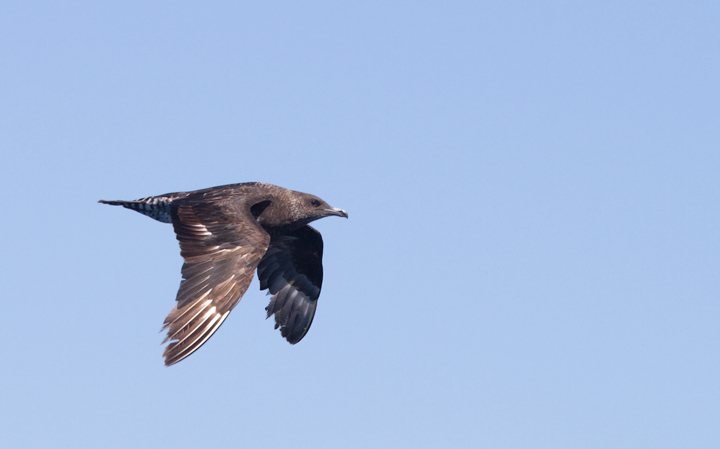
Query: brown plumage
225	234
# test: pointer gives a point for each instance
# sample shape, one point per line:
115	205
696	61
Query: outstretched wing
292	271
222	246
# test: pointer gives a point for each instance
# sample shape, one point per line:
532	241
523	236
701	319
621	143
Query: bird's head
290	209
307	208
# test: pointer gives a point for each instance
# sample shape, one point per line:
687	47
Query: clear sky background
532	255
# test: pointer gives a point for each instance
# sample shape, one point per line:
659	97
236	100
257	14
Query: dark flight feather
292	272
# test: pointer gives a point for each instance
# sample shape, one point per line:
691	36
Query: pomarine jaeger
225	234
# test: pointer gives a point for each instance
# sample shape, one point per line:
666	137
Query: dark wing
292	271
221	247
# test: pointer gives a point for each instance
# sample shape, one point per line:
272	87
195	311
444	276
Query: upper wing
221	248
292	271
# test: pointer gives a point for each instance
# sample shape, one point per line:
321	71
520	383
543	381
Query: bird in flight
226	233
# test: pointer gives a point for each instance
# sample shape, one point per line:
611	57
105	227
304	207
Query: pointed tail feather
157	208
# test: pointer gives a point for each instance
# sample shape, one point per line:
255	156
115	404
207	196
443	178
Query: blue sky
532	254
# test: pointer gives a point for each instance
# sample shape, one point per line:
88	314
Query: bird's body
225	234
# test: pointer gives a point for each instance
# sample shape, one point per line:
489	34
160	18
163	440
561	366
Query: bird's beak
336	211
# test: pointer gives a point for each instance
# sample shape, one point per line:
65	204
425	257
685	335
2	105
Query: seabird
225	234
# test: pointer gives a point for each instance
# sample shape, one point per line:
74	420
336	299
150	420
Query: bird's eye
315	203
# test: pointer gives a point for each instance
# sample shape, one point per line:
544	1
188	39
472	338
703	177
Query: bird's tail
155	207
